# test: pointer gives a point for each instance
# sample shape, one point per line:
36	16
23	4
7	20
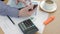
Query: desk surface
54	27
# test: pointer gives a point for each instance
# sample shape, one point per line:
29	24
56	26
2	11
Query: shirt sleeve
7	10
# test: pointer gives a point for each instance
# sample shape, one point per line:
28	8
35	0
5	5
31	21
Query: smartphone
33	7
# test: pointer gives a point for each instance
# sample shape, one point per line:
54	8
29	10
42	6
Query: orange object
49	20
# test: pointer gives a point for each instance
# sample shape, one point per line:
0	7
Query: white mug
48	6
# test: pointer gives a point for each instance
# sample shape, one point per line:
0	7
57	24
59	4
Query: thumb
30	6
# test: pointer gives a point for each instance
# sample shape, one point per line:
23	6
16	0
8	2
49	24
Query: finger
17	2
30	3
30	12
24	2
30	6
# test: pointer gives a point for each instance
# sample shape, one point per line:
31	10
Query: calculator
28	27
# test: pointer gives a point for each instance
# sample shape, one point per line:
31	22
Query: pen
11	20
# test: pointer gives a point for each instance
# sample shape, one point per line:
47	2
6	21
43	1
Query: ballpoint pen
11	20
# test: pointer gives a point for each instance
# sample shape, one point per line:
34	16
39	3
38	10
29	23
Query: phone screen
33	7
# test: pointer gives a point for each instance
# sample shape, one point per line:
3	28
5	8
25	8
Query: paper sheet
38	20
9	28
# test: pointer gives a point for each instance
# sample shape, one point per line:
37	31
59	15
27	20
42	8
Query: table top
53	27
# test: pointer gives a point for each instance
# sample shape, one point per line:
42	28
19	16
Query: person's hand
23	1
25	11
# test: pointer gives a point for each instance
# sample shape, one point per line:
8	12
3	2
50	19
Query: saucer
47	10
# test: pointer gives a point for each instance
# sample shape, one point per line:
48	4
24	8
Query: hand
23	1
25	11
